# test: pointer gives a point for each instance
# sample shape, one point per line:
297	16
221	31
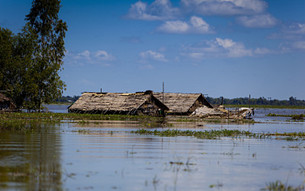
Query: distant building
141	103
6	104
182	103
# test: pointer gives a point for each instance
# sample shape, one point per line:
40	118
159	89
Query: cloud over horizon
152	55
225	7
248	13
194	25
158	10
257	21
222	47
87	57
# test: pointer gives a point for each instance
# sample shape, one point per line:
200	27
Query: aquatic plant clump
293	117
298	117
212	134
75	116
280	186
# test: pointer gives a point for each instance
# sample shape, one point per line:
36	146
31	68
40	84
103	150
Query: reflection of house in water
6	104
119	103
182	103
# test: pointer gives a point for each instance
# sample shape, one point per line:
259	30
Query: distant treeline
67	99
292	101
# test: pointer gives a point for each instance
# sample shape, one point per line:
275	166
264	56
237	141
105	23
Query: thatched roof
120	102
6	103
181	102
3	98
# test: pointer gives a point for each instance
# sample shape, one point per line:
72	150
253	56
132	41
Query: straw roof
120	102
3	98
182	102
6	103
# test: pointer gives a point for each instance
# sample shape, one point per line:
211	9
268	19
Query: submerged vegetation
72	116
280	186
293	117
216	134
146	121
20	120
212	134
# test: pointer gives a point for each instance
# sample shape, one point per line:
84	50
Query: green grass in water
280	186
213	134
293	117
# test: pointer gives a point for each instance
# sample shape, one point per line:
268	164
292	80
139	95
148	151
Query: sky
229	48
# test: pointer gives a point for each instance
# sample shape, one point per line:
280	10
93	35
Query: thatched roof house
182	103
143	103
6	104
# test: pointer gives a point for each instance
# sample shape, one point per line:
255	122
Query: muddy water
68	156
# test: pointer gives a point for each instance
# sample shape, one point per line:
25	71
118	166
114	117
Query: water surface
105	156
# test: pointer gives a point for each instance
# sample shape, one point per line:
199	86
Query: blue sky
229	48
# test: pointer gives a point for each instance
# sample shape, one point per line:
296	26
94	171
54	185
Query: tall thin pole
163	92
249	100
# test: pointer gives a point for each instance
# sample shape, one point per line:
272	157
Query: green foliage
257	102
293	117
30	61
212	134
15	60
280	186
66	99
298	117
49	53
7	42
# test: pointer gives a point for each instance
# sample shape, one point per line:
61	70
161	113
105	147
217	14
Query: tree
15	63
48	53
6	52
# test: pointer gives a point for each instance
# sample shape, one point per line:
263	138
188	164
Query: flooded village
118	141
154	104
232	116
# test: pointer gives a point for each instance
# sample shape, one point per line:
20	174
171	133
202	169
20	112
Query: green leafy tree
46	85
16	53
26	44
6	57
11	69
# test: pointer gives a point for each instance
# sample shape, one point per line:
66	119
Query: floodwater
68	156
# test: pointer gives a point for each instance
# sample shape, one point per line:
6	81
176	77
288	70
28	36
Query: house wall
5	105
200	102
150	108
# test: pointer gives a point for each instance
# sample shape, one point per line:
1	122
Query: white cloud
294	36
299	45
158	10
199	25
225	7
261	51
103	55
222	47
258	21
87	57
196	55
296	28
174	27
233	49
295	31
195	25
151	55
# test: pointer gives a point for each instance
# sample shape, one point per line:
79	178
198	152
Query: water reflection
107	156
31	161
101	160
